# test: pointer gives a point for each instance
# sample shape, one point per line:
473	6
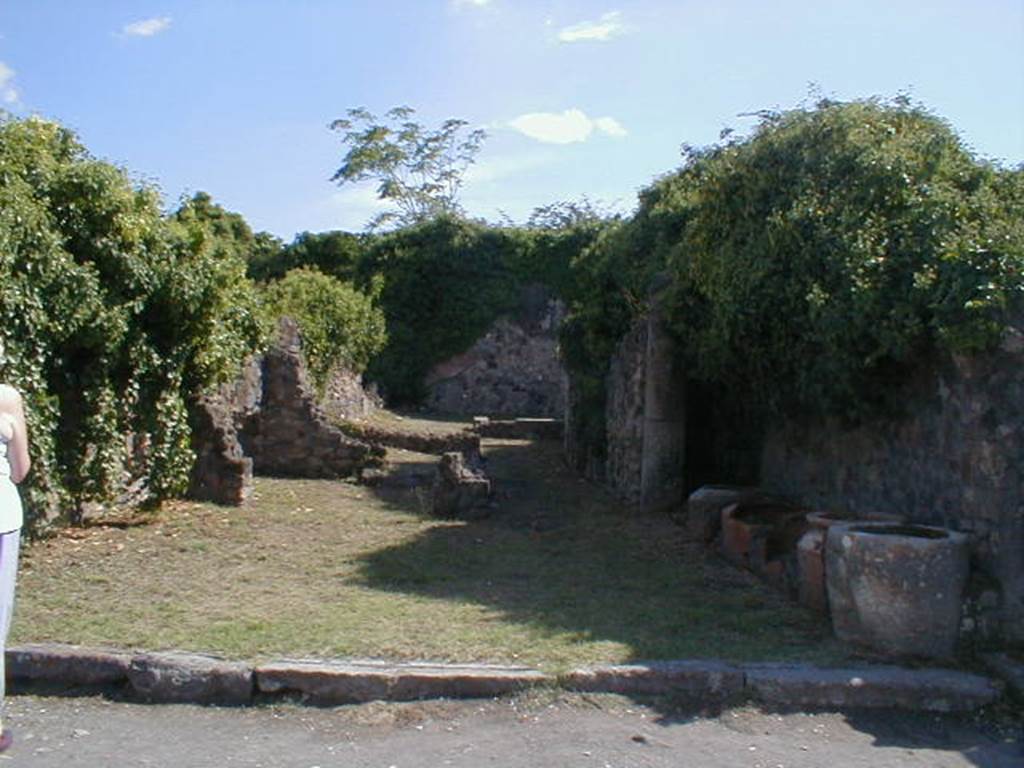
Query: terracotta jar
760	535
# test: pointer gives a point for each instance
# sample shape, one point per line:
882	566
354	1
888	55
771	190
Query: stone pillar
664	433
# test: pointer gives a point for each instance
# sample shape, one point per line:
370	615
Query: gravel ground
598	731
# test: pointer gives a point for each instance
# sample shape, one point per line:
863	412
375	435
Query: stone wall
345	395
644	416
268	421
956	460
624	414
513	370
289	434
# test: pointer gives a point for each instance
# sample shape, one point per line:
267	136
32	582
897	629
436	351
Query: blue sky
234	97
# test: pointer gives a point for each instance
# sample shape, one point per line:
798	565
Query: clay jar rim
827	518
901	530
755	513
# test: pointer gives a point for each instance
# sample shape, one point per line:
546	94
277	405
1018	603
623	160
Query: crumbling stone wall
513	370
290	434
268	421
345	395
956	459
644	419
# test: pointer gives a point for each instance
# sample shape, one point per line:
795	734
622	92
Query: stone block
183	677
350	682
67	665
698	682
807	687
458	490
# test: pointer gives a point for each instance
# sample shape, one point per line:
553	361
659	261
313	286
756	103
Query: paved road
592	732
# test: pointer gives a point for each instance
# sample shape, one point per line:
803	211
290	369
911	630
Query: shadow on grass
561	556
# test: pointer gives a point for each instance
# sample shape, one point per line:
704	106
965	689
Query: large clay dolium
810	553
896	589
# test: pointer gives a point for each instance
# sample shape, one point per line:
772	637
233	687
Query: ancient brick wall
624	414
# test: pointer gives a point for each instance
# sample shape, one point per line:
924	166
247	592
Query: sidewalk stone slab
345	682
195	678
699	681
69	665
936	690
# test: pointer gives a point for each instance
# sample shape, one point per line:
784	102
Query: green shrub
835	249
340	325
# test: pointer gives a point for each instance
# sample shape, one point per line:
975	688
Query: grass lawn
560	574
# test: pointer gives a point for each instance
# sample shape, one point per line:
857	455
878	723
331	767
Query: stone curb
197	678
1010	671
349	682
931	690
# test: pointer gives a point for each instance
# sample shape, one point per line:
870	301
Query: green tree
336	253
418	169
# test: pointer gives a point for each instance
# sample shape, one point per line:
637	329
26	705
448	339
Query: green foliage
339	324
812	265
417	169
834	249
441	285
112	317
444	282
335	253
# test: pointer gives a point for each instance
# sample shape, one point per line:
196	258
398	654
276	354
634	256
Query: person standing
14	465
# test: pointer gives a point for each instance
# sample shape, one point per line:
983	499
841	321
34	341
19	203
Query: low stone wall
513	370
955	460
465	442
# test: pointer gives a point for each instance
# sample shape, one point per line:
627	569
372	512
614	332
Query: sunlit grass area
559	574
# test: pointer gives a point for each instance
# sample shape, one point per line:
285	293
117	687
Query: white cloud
611	126
474	3
604	29
566	127
147	27
8	92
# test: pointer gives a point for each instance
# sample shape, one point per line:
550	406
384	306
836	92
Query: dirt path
599	731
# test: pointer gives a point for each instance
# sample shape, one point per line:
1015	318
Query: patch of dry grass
560	574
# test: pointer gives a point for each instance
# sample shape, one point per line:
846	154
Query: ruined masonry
268	421
512	370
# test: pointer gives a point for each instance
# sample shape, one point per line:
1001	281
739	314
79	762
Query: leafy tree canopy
419	170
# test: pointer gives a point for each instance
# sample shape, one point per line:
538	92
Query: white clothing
11	516
9	545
